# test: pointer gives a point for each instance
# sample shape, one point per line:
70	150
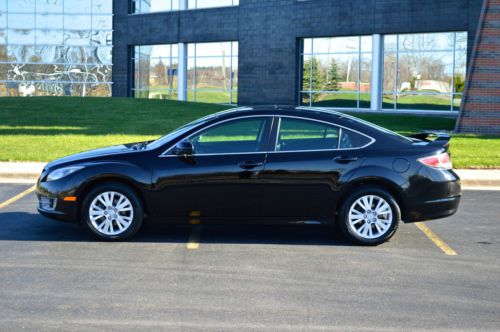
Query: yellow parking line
194	239
17	197
436	239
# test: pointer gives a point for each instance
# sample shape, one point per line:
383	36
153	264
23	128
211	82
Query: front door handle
250	164
345	159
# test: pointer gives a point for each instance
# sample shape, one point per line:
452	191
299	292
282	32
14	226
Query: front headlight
62	172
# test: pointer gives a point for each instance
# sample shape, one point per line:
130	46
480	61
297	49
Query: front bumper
51	201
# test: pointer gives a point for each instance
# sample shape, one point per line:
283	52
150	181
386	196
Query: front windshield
177	132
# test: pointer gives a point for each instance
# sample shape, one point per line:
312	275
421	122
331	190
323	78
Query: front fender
130	173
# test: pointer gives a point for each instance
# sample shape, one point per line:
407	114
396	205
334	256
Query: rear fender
395	182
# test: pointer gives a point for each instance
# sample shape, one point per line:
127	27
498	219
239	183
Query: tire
124	215
372	225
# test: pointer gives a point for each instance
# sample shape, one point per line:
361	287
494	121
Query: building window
155	71
336	72
55	48
198	4
212	72
424	71
153	6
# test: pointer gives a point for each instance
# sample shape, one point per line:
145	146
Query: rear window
400	138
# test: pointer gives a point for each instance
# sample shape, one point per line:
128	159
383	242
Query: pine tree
306	76
333	77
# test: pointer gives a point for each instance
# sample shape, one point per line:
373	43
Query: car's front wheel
369	216
112	212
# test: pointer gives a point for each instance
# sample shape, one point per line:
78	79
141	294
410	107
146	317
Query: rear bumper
432	195
434	209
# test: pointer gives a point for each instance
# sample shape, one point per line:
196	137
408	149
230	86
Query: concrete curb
29	172
20	170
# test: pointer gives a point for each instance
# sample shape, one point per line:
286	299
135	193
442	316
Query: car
258	165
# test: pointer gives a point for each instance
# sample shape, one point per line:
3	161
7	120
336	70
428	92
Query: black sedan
258	165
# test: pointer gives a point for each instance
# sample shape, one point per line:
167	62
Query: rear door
305	162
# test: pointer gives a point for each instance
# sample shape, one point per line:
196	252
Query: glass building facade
55	47
420	72
64	48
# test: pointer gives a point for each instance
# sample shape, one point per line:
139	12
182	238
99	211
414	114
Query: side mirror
183	148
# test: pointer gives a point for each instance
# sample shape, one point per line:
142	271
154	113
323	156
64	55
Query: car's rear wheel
112	212
369	216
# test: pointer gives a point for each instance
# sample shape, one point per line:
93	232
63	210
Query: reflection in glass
156	71
336	72
56	47
152	6
213	72
193	4
424	71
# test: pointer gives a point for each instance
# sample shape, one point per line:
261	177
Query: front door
221	180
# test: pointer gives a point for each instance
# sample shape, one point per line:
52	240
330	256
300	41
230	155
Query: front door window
237	136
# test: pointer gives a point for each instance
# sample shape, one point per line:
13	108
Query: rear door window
306	135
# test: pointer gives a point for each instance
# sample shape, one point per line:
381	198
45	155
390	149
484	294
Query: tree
160	72
333	77
459	84
311	74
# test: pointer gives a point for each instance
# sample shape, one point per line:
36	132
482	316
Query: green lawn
45	128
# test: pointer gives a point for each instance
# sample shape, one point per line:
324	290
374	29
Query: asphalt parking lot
54	276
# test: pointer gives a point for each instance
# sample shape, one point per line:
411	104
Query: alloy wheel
370	216
111	213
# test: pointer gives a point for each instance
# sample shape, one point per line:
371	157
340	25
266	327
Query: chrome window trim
164	154
340	135
373	140
278	128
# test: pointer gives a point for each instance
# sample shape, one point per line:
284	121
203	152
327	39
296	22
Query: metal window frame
136	59
395	92
359	53
195	57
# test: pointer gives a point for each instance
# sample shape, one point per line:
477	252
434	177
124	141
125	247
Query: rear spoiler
440	139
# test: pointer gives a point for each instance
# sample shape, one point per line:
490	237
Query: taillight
441	161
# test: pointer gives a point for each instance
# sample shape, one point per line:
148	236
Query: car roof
325	114
281	110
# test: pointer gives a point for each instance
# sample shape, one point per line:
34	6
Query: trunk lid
432	139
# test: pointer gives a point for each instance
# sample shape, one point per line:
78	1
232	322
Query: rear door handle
344	159
250	164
